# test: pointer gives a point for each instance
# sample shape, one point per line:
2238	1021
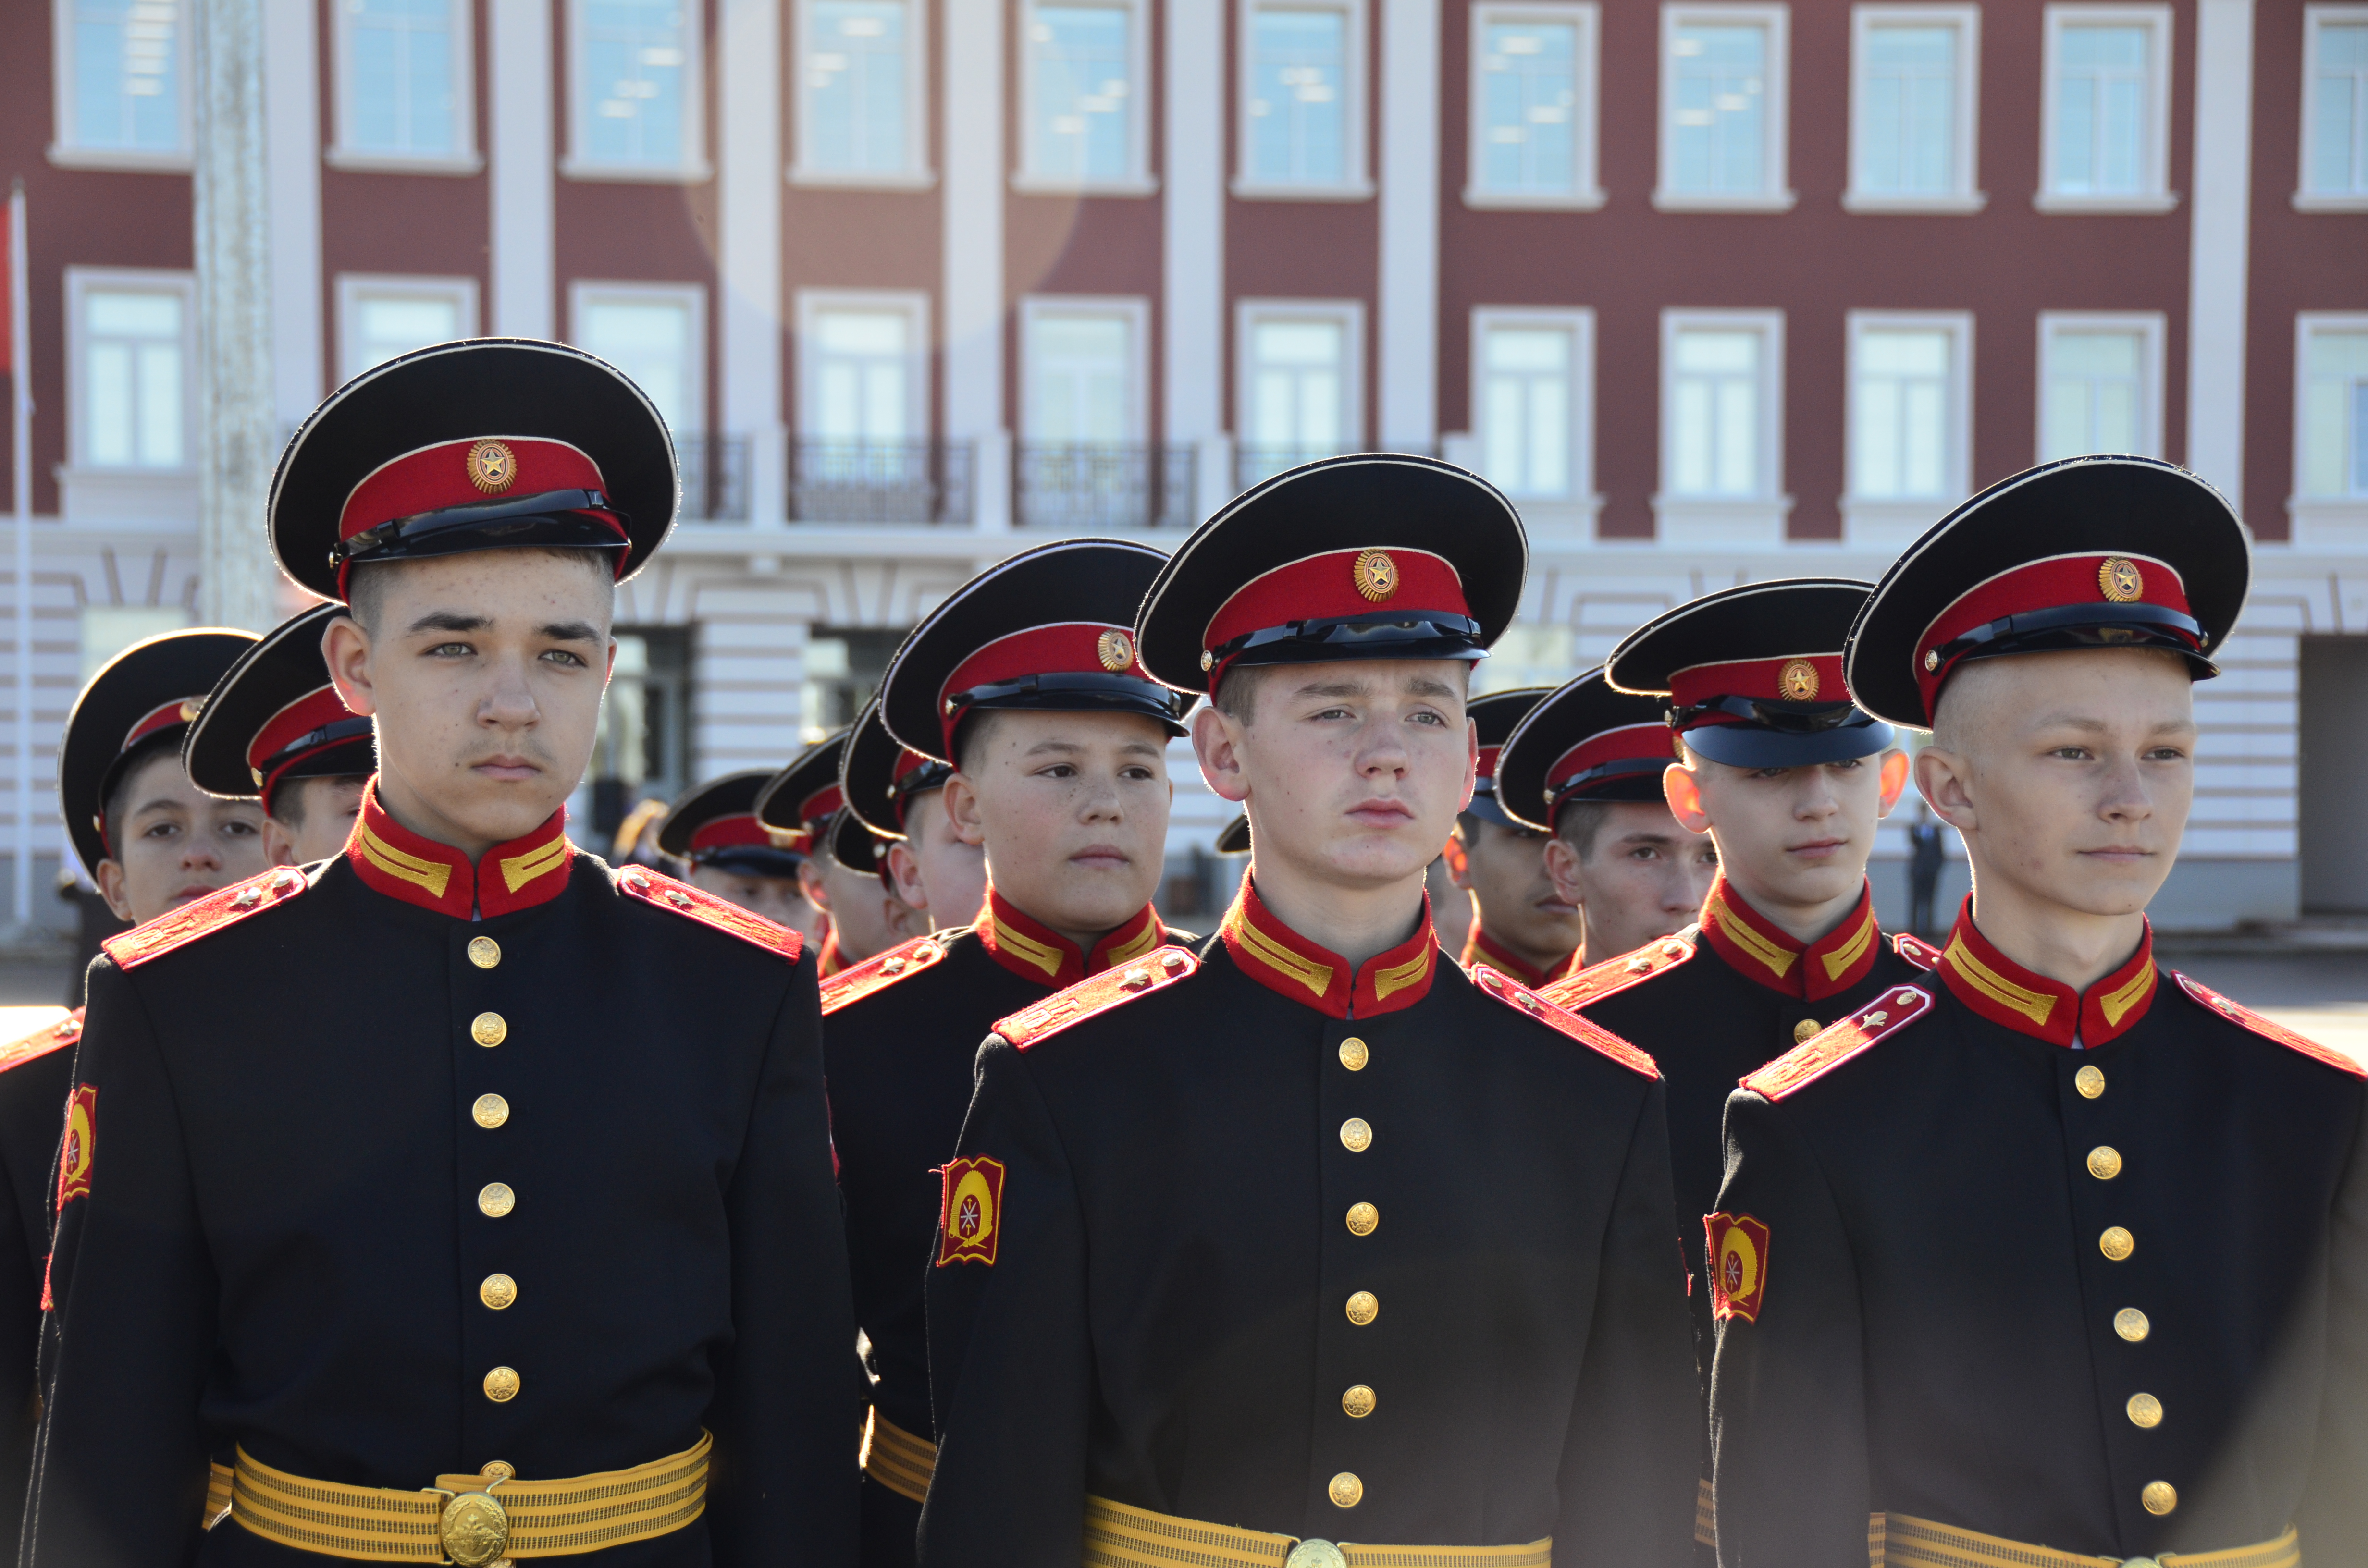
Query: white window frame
811	303
145	496
694	166
352	287
1136	309
583	293
1900	520
1350	314
65	153
1586	194
2321	521
2153	329
1696	521
1776	194
2305	199
918	173
2157	196
1138	180
1356	79
1581	498
1964	193
468	158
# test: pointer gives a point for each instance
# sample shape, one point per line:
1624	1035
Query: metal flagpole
20	436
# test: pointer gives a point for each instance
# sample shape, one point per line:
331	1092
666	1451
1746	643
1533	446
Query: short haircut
365	588
119	799
1237	690
1580	823
970	735
287	800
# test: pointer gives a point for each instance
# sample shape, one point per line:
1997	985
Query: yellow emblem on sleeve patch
1738	1265
970	1219
73	1159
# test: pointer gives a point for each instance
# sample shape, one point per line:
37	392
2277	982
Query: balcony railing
1101	485
1254	463
714	478
879	481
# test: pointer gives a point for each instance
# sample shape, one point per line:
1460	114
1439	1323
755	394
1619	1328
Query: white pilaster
525	267
1408	323
291	109
1193	294
973	243
749	244
2219	237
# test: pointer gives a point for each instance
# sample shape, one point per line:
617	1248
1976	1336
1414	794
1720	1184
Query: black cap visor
1075	691
1833	734
554	519
1429	636
751	860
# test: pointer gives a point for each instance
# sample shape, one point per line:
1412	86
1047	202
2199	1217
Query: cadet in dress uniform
899	793
1521	924
1251	1254
274	727
714	831
867	919
902	1029
2016	1271
424	1179
795	807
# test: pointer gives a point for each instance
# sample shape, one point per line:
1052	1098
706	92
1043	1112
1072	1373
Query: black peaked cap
814	768
734	794
1493	716
1773	619
286	665
870	779
1234	838
1584	706
177	665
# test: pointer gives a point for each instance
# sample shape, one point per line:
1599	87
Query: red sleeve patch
35	1046
1916	951
75	1154
224	907
665	892
1738	1265
1611	977
1097	994
1588	1033
880	972
970	1212
1822	1053
2238	1013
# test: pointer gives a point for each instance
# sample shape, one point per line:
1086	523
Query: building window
379	318
133	351
2100	384
405	92
1914	88
1909	414
633	74
1082	365
1532	375
1534	98
1302	95
1723	71
2334	108
120	68
2106	136
862	92
862	364
1720	392
1085	109
1300	382
655	332
2331	423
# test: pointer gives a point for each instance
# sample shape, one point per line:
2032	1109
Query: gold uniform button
1356	1135
488	1029
499	1469
484	952
2116	1243
2160	1496
1363	1308
1357	1402
498	1291
1346	1490
1804	1031
2132	1324
1363	1218
495	1199
2105	1162
502	1384
491	1110
1354	1054
2089	1081
2145	1410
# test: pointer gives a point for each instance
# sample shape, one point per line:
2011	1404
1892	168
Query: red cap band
723	832
2058	582
820	805
1382	583
315	710
180	711
1072	647
1488	756
1795	678
1629	743
469	474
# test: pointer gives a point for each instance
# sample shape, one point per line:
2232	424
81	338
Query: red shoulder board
1612	976
1822	1053
880	972
1916	951
1588	1033
177	927
1097	994
2238	1013
41	1043
655	887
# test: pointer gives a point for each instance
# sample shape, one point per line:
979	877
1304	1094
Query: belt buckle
1314	1553
475	1527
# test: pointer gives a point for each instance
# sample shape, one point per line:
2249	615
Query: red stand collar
2005	993
1284	962
518	875
1480	949
1760	950
1033	950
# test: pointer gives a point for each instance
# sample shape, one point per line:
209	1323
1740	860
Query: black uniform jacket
287	1193
2088	1272
35	1075
1192	1232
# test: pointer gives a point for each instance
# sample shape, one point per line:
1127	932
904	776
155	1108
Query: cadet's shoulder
1530	1004
1614	975
639	884
42	1042
2244	1017
877	973
217	912
1845	1041
1916	951
1160	969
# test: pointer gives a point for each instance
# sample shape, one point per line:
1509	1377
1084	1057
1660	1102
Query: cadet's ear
1942	779
1216	742
1895	779
962	808
346	647
1683	791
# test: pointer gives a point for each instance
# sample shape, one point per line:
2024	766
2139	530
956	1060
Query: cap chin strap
1793	717
2080	626
585	514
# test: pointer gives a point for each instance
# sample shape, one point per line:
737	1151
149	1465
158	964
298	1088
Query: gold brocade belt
897	1460
1118	1536
1901	1540
472	1520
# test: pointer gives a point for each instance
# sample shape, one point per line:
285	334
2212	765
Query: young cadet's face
325	809
179	843
1789	837
868	918
2070	774
1642	876
779	898
485	675
935	872
1505	872
1352	772
1071	811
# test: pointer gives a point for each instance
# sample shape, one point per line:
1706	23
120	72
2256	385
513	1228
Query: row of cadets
1056	740
1313	1236
439	1197
714	833
1522	923
846	873
898	793
2052	1257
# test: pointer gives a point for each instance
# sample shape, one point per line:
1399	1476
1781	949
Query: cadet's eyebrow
147	806
448	620
1333	688
1424	686
569	632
